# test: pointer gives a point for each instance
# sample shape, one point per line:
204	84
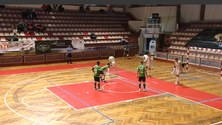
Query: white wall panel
213	12
189	12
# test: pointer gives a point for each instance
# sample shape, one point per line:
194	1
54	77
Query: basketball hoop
154	32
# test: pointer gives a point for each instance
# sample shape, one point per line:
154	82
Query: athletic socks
144	85
108	71
98	85
174	70
140	85
95	85
177	79
115	70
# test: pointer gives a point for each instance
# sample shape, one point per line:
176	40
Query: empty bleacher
187	35
69	25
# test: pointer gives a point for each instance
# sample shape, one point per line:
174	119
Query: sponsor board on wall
78	44
60	43
58	46
43	47
17	46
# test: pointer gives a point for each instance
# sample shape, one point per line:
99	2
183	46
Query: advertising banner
60	43
43	47
78	44
17	46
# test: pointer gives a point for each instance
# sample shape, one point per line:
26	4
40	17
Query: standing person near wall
69	54
14	28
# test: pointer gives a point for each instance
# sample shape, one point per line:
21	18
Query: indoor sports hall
47	75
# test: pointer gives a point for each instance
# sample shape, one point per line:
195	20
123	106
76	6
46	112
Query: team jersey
69	49
112	59
104	68
96	69
142	70
146	57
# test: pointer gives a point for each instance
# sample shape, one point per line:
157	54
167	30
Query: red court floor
115	90
124	88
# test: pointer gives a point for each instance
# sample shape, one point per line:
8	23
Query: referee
69	54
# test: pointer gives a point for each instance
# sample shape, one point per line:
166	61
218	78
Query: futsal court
64	94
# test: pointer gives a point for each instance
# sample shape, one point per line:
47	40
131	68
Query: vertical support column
188	52
202	12
178	14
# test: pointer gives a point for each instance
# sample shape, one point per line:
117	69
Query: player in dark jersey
95	70
141	71
103	71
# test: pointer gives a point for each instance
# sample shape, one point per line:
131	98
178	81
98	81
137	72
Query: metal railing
192	60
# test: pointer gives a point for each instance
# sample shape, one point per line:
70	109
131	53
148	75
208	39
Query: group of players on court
142	69
100	73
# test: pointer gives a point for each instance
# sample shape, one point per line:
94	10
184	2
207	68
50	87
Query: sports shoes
99	89
95	88
176	83
104	81
139	89
144	90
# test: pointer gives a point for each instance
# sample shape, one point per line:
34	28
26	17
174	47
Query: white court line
115	91
42	71
196	102
185	98
123	101
15	83
61	98
37	106
213	74
220	122
155	82
5	98
79	83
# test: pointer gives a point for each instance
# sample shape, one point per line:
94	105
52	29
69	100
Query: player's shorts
126	52
148	65
183	65
113	64
69	55
177	72
142	79
101	72
96	79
